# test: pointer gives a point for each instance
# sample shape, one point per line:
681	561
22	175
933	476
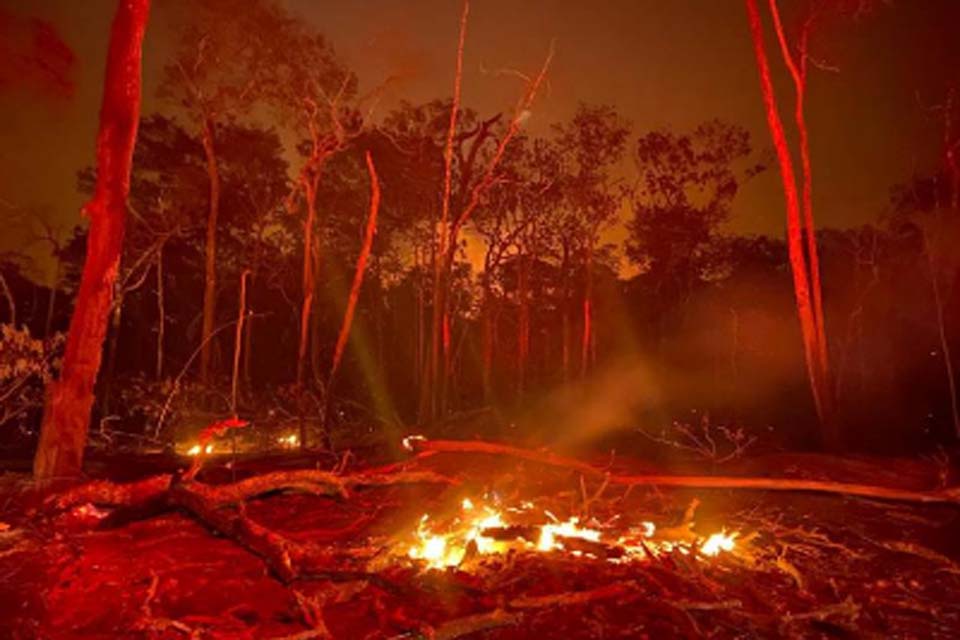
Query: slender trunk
798	72
565	313
11	305
428	394
237	339
66	415
310	192
52	299
944	339
114	336
210	251
795	241
523	322
421	329
247	350
586	339
354	295
486	337
161	315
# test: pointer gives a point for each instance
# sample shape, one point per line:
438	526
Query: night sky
662	64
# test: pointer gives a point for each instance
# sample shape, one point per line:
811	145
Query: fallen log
939	496
105	493
220	508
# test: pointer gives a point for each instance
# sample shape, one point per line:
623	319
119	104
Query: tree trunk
161	315
944	340
52	299
586	339
798	71
114	336
428	394
819	382
354	295
310	192
11	305
210	252
565	313
523	321
238	341
66	415
486	337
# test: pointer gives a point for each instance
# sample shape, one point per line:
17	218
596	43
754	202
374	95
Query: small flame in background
442	545
196	450
291	441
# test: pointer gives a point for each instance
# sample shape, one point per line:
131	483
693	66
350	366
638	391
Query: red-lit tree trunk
814	348
66	415
586	337
210	249
430	379
309	183
565	312
523	318
798	72
161	316
354	296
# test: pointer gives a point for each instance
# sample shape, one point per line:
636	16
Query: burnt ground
814	565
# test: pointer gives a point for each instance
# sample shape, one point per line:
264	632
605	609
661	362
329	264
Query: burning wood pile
480	540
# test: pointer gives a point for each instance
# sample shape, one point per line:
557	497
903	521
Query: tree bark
430	380
586	337
66	416
52	298
798	72
161	315
354	296
210	250
819	383
310	193
12	306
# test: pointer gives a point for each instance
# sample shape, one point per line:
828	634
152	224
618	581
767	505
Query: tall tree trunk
238	340
486	336
798	72
161	315
354	294
819	381
66	415
11	305
523	321
210	250
429	381
421	329
944	340
565	313
52	299
310	192
586	338
113	334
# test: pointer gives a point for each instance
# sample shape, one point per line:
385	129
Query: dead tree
361	268
814	349
66	415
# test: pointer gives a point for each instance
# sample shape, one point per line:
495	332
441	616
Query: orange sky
663	64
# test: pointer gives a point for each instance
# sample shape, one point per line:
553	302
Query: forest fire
605	261
485	529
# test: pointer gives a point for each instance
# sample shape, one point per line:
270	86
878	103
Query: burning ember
291	441
488	530
196	450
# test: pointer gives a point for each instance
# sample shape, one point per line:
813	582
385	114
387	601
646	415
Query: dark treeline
595	250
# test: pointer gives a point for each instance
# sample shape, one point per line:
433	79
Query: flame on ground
486	530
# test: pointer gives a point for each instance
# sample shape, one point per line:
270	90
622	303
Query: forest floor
804	565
